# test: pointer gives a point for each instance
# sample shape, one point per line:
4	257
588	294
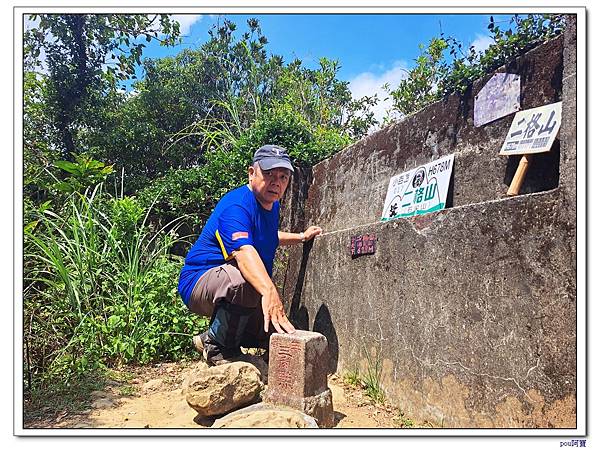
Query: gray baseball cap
272	156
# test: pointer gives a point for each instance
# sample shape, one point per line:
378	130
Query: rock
263	415
102	403
256	361
151	386
261	365
98	394
192	374
222	389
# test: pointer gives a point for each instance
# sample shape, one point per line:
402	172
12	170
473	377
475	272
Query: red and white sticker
239	235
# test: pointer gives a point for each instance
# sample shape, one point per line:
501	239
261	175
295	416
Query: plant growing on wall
445	66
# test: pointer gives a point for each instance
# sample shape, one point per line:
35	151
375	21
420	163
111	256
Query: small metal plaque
500	97
362	244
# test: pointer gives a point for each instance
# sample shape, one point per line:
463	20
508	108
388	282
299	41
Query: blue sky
361	42
372	49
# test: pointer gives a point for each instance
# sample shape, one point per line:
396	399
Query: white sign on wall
418	191
533	130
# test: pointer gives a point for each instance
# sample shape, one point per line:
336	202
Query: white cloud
482	42
369	83
186	21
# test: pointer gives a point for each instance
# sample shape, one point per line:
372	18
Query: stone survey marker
298	375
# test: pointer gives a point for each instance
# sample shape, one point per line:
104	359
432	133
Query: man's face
268	185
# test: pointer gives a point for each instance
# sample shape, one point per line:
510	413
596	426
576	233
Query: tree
38	155
208	97
419	88
323	99
85	56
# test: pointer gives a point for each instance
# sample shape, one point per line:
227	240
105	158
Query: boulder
260	364
262	415
220	389
192	374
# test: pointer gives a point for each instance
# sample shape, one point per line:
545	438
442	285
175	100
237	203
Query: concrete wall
471	311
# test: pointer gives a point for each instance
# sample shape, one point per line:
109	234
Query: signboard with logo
533	130
419	191
500	97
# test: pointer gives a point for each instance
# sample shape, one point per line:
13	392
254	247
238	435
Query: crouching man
227	272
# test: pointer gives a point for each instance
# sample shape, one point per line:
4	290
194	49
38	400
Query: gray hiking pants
233	305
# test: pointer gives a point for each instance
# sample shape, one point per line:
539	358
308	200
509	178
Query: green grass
128	391
100	289
119	375
56	396
49	399
403	421
373	390
372	379
352	378
370	382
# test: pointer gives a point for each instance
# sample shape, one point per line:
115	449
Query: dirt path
153	398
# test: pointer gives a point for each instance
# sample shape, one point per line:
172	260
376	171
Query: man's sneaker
198	342
213	354
255	353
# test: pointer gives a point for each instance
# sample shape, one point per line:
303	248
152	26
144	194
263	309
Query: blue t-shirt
238	219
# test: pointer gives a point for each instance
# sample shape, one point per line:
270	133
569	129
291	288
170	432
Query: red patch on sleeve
239	235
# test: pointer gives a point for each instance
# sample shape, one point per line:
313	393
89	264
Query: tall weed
372	379
101	288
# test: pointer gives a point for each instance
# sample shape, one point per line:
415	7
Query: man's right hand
274	313
254	272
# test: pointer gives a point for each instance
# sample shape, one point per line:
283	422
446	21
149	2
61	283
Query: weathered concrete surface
471	310
464	312
349	188
568	154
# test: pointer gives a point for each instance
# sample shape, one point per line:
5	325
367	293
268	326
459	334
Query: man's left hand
312	231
